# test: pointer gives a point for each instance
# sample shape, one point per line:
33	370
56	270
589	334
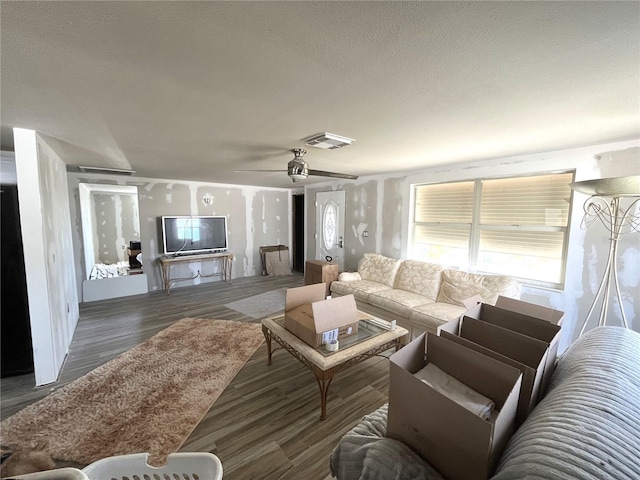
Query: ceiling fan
298	169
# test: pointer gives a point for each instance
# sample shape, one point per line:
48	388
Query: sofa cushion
435	314
419	277
378	268
458	286
398	301
358	288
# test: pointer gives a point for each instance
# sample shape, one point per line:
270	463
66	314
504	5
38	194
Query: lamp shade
609	187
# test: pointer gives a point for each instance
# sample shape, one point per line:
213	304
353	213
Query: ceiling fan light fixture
298	169
328	141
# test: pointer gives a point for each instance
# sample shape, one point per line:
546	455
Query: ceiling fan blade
260	171
322	173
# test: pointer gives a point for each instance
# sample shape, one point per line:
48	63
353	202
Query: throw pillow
457	286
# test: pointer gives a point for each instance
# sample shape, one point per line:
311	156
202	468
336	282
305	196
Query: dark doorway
298	233
15	331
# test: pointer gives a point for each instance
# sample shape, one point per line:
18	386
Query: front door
330	227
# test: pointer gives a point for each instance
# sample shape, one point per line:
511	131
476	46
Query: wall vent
106	170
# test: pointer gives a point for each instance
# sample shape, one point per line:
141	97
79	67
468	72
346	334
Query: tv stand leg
165	278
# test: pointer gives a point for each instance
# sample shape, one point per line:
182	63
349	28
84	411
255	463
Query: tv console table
223	260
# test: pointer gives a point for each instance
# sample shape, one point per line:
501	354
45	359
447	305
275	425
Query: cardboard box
550	315
315	320
523	322
555	317
519	351
458	443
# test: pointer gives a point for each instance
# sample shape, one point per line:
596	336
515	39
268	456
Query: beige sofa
420	296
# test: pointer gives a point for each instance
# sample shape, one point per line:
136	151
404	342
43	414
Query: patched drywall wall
269	223
116	224
58	246
360	216
373	218
381	205
391	235
48	250
255	216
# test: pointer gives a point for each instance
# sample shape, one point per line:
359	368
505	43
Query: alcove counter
122	286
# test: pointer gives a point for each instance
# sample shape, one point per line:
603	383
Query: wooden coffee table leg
267	336
324	381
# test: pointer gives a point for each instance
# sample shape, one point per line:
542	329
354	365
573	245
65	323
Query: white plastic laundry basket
180	466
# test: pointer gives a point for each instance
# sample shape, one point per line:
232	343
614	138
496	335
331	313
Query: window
329	225
514	226
443	217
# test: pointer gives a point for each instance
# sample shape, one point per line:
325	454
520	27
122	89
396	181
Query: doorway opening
16	348
298	233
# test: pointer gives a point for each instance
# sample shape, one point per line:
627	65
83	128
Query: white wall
382	205
48	252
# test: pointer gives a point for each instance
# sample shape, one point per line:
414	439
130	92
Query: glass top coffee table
371	340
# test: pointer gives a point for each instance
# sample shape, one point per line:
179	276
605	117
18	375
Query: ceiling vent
105	170
328	141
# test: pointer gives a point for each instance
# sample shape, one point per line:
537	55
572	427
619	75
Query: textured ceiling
197	90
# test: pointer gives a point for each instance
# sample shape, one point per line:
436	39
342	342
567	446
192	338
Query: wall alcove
110	221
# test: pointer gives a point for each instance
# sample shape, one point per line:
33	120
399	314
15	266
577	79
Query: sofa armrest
349	277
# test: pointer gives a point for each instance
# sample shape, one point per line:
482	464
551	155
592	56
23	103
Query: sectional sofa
420	296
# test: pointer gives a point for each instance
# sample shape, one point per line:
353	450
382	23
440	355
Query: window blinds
445	202
516	226
535	201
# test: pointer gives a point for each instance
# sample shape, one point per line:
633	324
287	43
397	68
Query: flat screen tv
183	235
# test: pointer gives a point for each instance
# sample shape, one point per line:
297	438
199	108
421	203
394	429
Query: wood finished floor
266	423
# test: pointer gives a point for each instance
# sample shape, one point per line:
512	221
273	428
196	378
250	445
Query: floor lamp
604	204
